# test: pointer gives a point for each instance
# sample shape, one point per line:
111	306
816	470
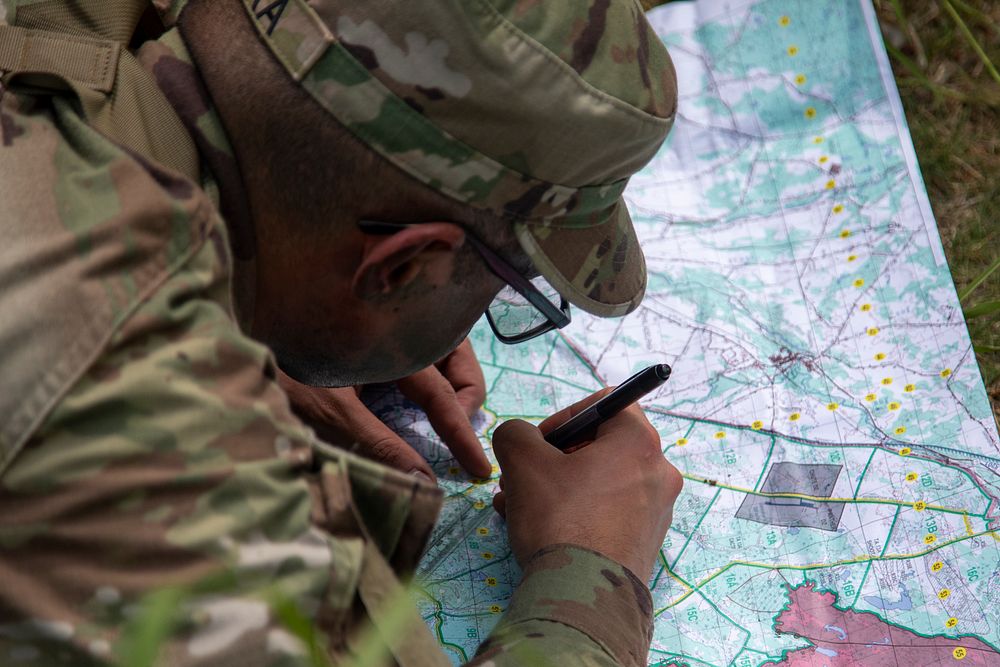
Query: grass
945	55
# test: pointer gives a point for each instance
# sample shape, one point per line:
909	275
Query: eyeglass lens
513	315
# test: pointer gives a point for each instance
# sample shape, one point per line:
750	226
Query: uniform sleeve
574	606
173	464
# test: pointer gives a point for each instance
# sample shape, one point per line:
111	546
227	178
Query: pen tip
663	371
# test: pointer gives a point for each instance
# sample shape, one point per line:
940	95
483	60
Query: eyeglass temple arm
521	284
497	265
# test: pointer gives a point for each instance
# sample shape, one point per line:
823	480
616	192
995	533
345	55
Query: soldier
187	194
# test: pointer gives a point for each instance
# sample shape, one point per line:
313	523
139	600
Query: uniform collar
175	72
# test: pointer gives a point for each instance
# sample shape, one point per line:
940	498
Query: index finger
432	392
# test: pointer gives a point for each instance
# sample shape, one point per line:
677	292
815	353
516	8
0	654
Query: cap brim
599	269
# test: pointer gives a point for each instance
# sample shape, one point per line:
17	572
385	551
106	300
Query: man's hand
615	495
450	392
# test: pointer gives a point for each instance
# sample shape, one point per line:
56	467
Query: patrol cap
537	111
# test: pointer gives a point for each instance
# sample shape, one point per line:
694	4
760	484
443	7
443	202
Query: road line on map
683	657
696	526
813	566
885	547
864	471
770	450
823	499
950	463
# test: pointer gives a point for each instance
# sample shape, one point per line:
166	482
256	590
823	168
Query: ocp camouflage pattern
145	443
537	115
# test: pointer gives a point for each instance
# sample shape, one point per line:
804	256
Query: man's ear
389	263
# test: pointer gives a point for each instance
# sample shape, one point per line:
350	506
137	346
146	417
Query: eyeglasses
523	310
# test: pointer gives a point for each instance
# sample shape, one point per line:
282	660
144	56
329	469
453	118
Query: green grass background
945	55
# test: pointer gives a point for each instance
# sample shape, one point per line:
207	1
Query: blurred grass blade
146	632
914	70
904	23
981	309
372	649
980	280
302	627
971	39
976	14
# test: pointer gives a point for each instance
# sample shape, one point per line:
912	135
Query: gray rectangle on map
806	479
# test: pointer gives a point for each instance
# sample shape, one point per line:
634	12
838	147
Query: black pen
583	426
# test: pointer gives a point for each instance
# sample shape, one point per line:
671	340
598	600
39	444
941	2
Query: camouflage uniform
145	442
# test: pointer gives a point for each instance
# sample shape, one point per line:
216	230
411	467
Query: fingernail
421	475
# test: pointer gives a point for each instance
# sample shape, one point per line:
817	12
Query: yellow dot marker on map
681	442
479	505
491	581
919	506
900	430
865	307
851	258
792	50
959	653
930	538
910	387
483	530
794	417
757	425
860	282
495	609
832	406
831	184
839	208
818	140
944	594
784	21
719	435
951	622
905	451
845	233
494	469
823	159
945	373
886	381
937	566
879	356
873	331
800	79
894	406
453	470
487	555
911	476
811	113
479	482
870	397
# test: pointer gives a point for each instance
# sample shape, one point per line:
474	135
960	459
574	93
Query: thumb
519	446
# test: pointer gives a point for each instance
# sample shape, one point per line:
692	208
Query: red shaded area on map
841	638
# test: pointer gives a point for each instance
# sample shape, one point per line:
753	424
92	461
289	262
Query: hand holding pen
614	496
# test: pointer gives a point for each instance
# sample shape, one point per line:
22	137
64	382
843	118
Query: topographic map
841	460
